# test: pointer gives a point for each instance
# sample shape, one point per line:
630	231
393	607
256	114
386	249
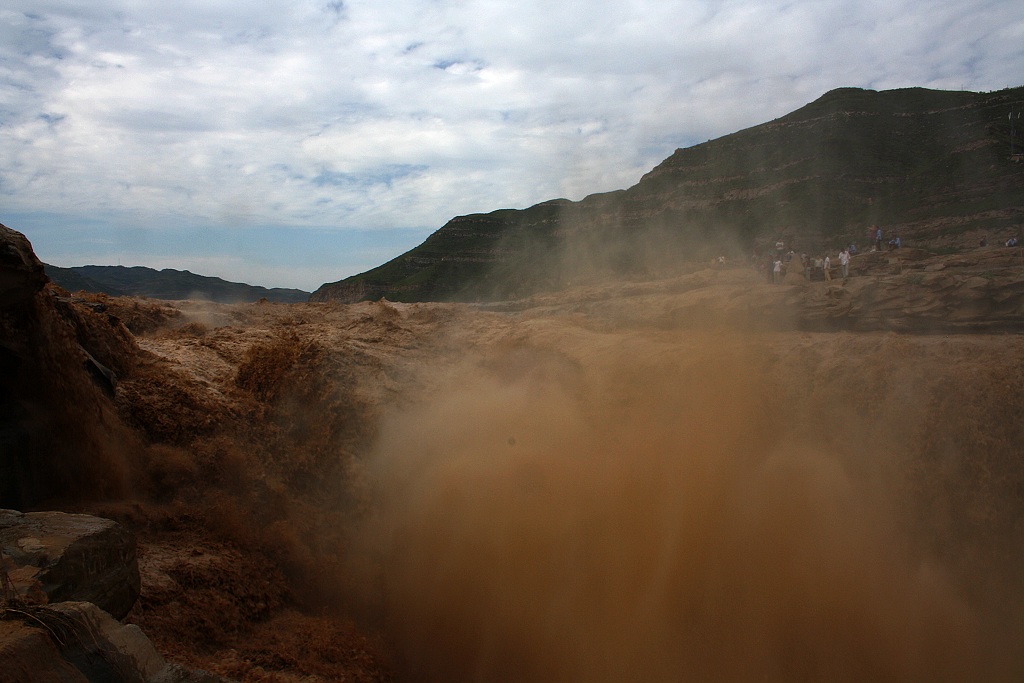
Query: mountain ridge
934	166
168	284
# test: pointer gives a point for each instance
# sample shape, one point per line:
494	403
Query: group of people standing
818	268
822	267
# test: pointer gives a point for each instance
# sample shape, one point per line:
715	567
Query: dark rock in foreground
60	438
75	642
71	557
21	273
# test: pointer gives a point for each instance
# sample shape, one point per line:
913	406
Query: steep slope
59	367
934	167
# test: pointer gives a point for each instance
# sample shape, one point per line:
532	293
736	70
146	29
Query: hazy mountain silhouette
165	284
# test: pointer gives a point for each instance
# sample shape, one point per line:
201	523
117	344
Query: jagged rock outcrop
60	437
21	273
63	557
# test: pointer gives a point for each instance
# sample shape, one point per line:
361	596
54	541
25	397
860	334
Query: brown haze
625	481
580	494
608	506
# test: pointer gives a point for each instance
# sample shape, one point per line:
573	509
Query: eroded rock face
71	557
104	649
21	273
73	642
29	655
59	437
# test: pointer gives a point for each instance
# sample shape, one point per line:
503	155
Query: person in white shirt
827	268
844	262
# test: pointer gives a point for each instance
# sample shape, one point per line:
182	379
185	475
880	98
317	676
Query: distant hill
165	284
935	167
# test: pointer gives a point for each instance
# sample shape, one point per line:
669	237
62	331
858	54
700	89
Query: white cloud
364	114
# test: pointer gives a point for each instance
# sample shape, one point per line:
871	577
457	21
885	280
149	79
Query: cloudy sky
288	143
